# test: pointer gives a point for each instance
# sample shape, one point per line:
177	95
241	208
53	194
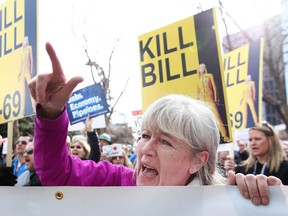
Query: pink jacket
55	167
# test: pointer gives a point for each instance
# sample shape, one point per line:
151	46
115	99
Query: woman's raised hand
51	91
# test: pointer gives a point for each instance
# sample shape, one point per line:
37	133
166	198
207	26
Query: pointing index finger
56	66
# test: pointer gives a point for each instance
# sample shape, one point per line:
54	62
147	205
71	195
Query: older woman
178	144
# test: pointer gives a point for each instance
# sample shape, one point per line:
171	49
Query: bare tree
105	81
274	62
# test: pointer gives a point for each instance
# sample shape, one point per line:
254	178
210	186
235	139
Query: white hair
189	120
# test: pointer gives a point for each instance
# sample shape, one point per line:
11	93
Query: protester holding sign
121	159
178	145
104	140
92	138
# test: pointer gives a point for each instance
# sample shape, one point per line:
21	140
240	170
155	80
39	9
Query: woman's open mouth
149	171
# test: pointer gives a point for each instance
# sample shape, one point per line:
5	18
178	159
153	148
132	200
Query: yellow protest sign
18	52
243	75
185	58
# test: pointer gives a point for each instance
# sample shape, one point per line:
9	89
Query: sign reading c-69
11	106
18	58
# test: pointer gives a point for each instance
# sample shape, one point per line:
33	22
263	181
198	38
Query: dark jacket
282	173
94	145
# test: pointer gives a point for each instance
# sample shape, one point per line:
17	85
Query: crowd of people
85	146
178	147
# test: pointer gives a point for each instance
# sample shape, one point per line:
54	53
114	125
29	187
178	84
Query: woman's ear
198	162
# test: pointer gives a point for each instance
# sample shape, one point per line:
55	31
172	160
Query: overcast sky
64	23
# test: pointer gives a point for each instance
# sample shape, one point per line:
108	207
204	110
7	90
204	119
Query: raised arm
53	164
92	140
51	91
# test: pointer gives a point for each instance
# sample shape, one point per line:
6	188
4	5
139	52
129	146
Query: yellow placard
243	76
170	62
17	58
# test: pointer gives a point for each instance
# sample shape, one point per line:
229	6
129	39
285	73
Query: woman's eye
145	136
165	142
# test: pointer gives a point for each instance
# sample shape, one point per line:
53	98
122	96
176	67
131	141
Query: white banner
140	201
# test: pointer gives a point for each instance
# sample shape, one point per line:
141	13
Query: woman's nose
148	147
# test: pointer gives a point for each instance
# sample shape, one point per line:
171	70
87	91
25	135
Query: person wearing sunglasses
178	146
121	160
79	147
266	154
18	160
29	177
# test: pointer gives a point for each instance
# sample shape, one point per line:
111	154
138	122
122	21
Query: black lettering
184	66
168	73
145	48
16	46
5	19
150	73
6	50
165	43
161	79
238	79
239	61
16	19
158	45
181	40
229	66
228	84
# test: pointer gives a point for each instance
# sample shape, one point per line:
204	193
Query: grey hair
193	122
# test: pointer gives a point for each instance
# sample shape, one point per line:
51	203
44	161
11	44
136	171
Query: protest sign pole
9	144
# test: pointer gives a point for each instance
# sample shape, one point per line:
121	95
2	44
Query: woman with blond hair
121	160
266	155
79	147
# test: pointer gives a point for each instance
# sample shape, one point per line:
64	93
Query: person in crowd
230	161
266	155
92	140
18	162
68	142
121	160
178	144
285	149
86	147
221	158
242	152
7	178
79	147
29	177
126	149
133	156
104	139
